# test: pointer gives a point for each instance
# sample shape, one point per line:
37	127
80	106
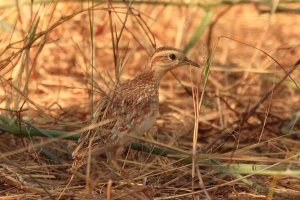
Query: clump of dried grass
53	65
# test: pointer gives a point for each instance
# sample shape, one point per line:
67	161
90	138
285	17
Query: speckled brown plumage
130	109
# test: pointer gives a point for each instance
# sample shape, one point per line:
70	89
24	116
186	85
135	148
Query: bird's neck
158	72
149	77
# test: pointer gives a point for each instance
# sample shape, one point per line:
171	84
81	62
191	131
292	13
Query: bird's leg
113	153
152	132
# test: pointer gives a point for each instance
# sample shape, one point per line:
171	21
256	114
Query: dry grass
248	125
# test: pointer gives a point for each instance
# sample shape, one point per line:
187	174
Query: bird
129	110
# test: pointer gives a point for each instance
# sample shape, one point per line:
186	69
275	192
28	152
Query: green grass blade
200	30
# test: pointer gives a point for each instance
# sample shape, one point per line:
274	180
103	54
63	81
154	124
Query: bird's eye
172	56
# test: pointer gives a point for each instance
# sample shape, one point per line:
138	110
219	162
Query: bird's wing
115	115
96	134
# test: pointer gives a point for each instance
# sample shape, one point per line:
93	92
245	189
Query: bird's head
165	59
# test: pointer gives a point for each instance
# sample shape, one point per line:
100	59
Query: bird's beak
190	62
